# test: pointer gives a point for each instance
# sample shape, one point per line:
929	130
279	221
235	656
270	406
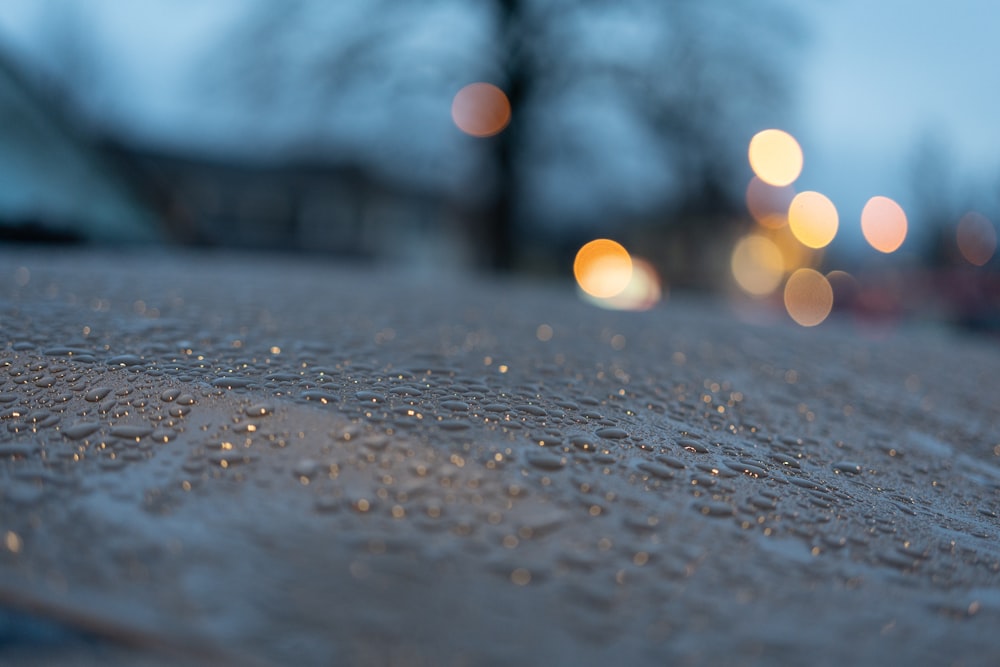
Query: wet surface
211	460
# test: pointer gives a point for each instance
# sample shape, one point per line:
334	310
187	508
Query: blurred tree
620	108
935	201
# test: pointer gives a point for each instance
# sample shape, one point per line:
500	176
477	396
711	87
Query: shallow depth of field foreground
246	460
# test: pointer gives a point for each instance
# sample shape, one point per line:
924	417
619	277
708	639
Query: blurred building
56	183
61	183
311	206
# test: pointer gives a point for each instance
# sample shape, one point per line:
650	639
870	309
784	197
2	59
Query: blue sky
879	77
873	80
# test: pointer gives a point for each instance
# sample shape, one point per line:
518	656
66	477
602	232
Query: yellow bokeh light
813	219
976	237
776	157
808	297
643	291
883	223
603	268
757	265
768	204
481	110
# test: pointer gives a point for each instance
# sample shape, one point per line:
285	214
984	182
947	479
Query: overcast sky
875	78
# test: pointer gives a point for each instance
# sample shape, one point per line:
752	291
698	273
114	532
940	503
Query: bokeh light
643	291
775	156
481	109
603	268
808	297
976	237
757	265
813	219
794	254
769	204
883	223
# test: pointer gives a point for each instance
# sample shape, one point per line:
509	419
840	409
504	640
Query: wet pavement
253	460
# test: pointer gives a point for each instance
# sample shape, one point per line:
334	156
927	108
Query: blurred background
797	158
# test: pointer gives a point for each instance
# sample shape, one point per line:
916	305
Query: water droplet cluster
256	446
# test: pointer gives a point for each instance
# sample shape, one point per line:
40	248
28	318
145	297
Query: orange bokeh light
976	237
808	297
776	157
757	265
813	219
603	268
643	291
768	204
481	110
883	223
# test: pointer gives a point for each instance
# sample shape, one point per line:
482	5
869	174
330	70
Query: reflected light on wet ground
480	110
976	238
808	297
769	204
883	223
603	268
643	291
813	219
775	157
757	265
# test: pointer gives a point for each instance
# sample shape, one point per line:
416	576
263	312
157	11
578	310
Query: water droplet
848	467
306	468
169	395
320	396
406	390
671	461
714	508
545	460
787	461
259	410
15	451
126	360
80	430
162	435
453	425
749	469
802	483
655	469
611	433
131	431
185	399
232	382
97	394
693	446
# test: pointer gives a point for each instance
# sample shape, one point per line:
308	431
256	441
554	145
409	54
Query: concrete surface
254	460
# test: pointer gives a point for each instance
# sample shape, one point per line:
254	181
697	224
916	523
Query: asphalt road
254	460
